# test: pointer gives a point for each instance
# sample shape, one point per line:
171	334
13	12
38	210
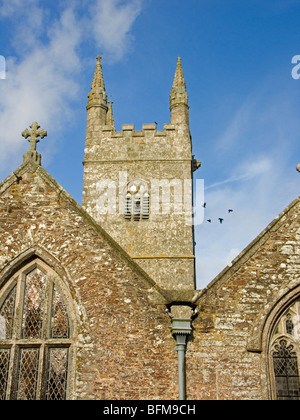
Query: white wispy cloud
256	199
9	8
255	175
39	84
42	82
29	23
111	24
245	171
234	130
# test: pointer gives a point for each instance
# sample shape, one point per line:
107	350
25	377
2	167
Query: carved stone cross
34	133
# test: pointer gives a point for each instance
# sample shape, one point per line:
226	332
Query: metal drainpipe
181	329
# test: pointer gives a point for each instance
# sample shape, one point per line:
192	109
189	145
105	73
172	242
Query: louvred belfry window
137	201
35	339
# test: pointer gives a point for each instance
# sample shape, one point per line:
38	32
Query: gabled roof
250	250
156	294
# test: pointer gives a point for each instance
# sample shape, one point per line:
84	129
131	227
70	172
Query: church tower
138	184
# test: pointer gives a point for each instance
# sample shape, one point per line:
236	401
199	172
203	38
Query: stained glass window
34	339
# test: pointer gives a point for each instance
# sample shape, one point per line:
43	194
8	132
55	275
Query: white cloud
38	86
111	23
253	173
246	171
42	77
29	22
9	8
256	199
235	128
2	67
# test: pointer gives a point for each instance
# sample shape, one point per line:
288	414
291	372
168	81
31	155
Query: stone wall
228	357
123	346
163	244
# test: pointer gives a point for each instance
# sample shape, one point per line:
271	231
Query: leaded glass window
57	373
289	325
60	320
285	354
4	363
35	340
33	309
27	374
7	315
286	372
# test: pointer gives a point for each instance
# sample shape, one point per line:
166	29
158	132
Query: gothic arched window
137	201
35	336
286	371
285	354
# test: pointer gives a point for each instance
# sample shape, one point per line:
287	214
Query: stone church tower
138	184
98	302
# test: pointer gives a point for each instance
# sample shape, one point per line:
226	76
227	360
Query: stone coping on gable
156	294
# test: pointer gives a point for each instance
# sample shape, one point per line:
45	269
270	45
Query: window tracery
137	201
35	336
285	354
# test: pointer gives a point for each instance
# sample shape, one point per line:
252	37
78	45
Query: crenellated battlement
146	129
126	164
128	144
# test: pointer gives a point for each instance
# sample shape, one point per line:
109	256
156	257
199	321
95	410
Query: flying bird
221	220
204	205
230	211
209	220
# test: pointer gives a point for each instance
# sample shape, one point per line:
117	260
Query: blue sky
244	103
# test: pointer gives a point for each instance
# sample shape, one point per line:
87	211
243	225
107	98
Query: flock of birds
221	219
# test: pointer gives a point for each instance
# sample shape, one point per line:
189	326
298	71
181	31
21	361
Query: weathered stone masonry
123	345
228	358
146	155
128	285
